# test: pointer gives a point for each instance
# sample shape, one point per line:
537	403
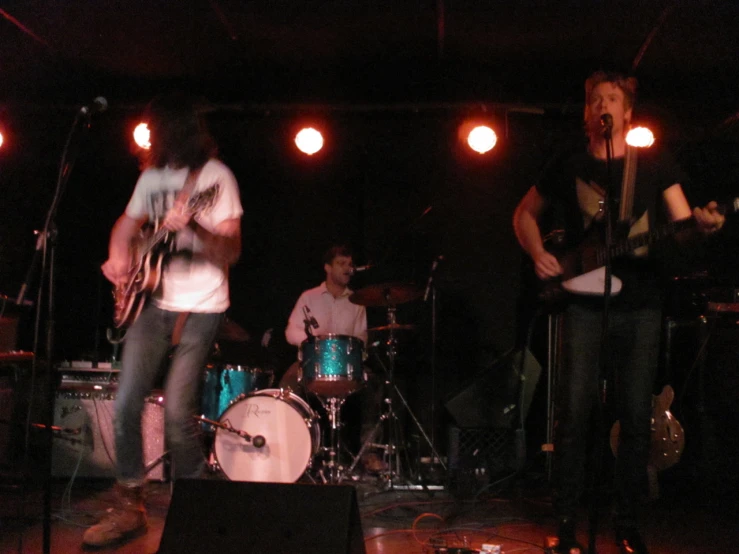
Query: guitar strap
192	178
626	207
182	198
179	324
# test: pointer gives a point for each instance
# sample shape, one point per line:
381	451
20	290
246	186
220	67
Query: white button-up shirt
334	315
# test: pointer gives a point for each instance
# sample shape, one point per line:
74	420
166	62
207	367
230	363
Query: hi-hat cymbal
393	327
230	330
386	294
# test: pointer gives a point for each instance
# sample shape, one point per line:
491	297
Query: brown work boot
122	522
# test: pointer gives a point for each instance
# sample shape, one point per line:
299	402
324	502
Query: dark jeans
147	344
632	357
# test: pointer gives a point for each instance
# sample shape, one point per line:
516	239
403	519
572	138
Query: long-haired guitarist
174	292
576	182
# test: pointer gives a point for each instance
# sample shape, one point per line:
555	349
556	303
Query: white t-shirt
190	282
334	315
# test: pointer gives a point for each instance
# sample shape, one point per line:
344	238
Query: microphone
431	277
606	121
258	441
99	104
360	268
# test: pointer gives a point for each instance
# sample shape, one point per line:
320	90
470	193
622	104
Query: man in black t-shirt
576	182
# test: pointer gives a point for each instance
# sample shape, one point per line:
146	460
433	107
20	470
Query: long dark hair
179	136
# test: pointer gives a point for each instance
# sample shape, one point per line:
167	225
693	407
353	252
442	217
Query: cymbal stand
394	435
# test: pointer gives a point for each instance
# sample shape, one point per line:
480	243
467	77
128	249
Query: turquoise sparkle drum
223	384
331	365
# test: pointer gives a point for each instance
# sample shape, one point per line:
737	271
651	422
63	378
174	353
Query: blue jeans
146	347
631	365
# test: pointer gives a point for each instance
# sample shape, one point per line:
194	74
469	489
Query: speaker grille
87	449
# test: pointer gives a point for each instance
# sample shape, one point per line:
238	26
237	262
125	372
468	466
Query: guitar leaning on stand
145	273
667	442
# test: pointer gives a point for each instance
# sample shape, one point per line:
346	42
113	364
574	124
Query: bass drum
289	427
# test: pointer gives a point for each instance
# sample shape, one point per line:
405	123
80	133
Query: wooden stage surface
514	513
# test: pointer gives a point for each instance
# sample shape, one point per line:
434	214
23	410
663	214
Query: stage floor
514	513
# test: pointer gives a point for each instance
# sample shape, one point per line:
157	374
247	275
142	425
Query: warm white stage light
640	137
309	141
142	136
2	139
482	139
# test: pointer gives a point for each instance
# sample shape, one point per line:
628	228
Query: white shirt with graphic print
190	282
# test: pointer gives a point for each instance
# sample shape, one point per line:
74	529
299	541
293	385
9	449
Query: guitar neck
626	246
621	248
156	238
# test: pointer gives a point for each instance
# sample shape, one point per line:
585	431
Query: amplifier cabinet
85	447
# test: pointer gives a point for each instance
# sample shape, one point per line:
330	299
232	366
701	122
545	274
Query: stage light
640	137
142	136
2	139
309	140
482	139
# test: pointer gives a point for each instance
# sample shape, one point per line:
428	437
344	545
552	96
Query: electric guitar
584	265
145	273
667	439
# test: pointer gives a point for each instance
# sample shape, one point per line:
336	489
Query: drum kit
266	434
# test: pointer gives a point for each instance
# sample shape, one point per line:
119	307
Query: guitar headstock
203	200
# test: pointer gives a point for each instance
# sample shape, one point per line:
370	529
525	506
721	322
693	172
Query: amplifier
82	374
86	445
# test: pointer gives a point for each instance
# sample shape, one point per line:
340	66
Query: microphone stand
431	288
45	250
603	398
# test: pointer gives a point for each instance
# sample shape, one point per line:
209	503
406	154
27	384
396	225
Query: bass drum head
290	431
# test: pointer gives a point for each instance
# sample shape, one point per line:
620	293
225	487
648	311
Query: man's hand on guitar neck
546	265
709	219
177	218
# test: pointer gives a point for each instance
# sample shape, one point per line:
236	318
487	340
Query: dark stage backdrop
396	184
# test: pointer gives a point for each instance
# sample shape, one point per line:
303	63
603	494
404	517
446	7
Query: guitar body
144	279
667	438
583	270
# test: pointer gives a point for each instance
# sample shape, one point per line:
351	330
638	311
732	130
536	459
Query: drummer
326	309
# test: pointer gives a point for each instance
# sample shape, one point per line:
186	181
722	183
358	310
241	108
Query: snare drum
289	427
331	365
223	384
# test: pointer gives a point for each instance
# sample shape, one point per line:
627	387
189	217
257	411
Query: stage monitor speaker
86	445
231	517
493	398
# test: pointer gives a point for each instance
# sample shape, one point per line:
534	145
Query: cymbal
230	330
386	294
393	327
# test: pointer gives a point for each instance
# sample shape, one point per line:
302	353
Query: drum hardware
333	450
257	440
331	368
389	296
